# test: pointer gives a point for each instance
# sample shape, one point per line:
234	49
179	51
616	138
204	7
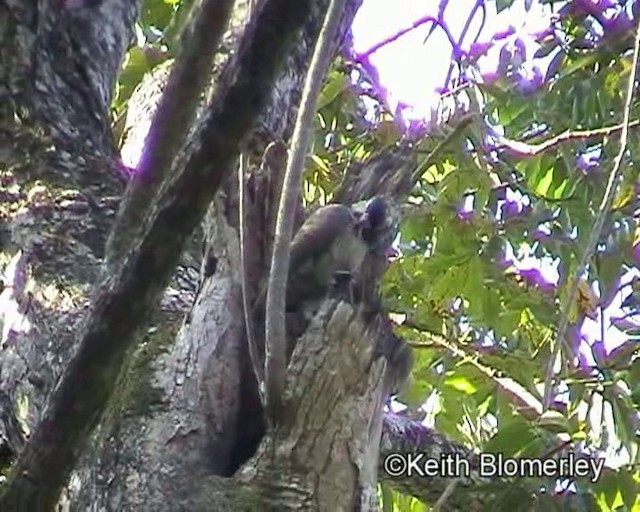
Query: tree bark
185	413
61	181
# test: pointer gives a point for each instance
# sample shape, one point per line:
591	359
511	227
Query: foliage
482	322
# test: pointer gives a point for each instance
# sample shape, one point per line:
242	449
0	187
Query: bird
330	247
325	259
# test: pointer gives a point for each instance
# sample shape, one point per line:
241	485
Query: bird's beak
362	222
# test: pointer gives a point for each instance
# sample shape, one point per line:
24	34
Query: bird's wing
318	232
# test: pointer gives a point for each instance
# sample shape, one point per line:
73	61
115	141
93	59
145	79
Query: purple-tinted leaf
626	324
545	49
631	301
541	35
606	4
490	77
504	60
465	215
554	65
542	234
529	81
569	9
559	405
587	162
509	31
511	208
586	7
618	25
479	49
599	352
534	277
583	362
520	51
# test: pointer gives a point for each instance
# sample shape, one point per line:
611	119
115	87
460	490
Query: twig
522	149
556	449
472	14
445	495
419	22
433	156
604	209
276	356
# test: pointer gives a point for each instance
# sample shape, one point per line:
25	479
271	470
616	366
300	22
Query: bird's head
375	213
375	225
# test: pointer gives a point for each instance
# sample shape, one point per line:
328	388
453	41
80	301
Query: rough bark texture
215	418
60	183
128	293
316	460
185	410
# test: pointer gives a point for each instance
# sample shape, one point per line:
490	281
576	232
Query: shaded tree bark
185	413
61	181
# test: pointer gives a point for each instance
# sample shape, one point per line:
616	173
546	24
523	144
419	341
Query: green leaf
609	265
335	84
608	492
156	13
554	421
501	5
629	487
545	183
461	383
515	439
137	63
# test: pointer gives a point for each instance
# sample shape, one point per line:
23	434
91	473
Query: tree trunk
61	180
185	415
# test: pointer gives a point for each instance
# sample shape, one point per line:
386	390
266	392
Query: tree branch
134	285
416	24
473	492
172	119
594	236
522	149
276	357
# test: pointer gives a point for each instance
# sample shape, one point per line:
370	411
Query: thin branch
131	288
445	495
419	22
276	360
258	368
522	149
471	16
527	404
605	207
436	153
170	125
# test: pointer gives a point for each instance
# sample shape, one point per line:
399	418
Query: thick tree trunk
61	181
208	420
185	413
